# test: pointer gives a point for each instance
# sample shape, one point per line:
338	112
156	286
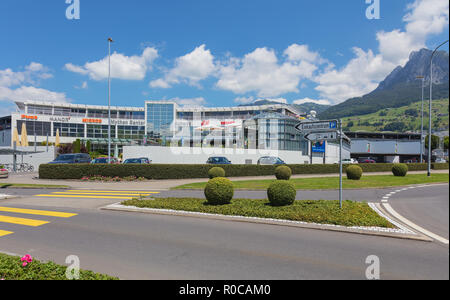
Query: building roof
22	104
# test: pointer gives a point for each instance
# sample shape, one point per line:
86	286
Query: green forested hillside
405	118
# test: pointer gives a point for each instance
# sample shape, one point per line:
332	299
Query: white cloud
309	100
261	72
244	100
297	52
17	86
190	68
363	73
122	67
25	93
190	102
32	74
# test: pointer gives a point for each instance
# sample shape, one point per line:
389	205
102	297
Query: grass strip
330	183
322	211
11	269
31	186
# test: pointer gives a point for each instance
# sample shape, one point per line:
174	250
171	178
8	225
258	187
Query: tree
434	142
65	149
77	146
446	143
89	146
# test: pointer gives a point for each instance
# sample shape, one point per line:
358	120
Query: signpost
325	131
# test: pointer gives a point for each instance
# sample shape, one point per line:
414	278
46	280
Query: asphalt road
427	207
141	246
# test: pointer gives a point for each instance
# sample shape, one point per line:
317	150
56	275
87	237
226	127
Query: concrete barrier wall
34	159
184	155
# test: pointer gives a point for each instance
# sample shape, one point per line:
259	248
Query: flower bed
113	179
28	268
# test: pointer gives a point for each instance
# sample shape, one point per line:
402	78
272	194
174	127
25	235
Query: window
35	128
100	131
69	130
40	110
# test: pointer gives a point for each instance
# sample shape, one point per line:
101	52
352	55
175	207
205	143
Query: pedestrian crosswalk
21	218
94	194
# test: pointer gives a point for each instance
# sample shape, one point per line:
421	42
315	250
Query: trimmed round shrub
283	173
219	191
281	193
354	172
400	170
216	172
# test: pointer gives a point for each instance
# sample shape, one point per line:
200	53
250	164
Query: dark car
218	161
72	159
140	161
368	161
105	160
270	160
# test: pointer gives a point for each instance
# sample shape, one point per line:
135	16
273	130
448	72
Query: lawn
11	269
31	186
322	211
328	183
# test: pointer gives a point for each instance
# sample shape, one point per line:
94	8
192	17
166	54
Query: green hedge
160	171
439	166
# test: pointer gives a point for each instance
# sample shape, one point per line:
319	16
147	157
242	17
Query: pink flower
27	259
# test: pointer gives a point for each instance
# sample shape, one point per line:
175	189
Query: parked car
4	173
72	159
105	160
140	161
368	161
440	160
349	161
270	160
218	161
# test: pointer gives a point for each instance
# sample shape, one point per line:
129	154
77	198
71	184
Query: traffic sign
319	126
322	136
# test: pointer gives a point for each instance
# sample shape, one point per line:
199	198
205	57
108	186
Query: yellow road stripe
3	233
129	192
20	221
37	212
79	196
104	194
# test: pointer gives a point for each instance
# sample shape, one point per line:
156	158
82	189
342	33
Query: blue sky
208	52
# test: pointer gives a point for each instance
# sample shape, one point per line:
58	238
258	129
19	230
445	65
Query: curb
371	231
6	197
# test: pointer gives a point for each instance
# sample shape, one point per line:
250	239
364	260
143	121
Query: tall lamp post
109	99
421	130
431	101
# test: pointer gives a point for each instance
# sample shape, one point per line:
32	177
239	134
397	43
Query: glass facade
100	131
160	119
69	130
273	131
38	128
131	132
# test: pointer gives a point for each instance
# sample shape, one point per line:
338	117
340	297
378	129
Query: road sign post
326	131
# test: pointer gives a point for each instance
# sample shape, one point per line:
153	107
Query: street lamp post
421	129
109	99
431	105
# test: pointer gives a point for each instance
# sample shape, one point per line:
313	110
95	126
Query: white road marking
412	225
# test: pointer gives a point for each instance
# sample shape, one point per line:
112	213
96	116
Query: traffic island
354	217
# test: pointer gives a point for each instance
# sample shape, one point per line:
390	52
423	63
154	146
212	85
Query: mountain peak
419	65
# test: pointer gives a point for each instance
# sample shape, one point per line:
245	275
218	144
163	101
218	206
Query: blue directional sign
318	126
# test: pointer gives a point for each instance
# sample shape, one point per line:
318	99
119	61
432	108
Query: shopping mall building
159	123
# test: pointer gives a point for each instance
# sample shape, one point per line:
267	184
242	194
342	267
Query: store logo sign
25	117
95	121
